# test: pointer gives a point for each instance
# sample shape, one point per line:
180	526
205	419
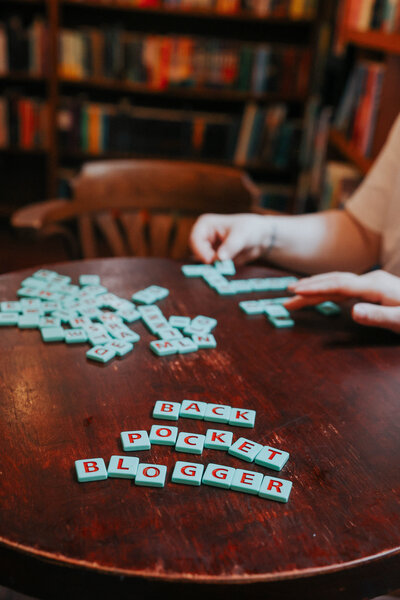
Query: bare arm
331	240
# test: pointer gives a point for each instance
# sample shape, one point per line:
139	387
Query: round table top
327	391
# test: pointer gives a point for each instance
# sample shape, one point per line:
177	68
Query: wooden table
327	391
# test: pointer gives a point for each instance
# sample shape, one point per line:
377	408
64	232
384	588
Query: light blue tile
169	333
30	303
217	413
90	469
179	322
272	458
49	322
196	270
135	440
75	336
225	267
276	311
218	440
245	449
242	417
11	307
89	280
123	467
129	315
329	309
218	476
100	354
247	481
205	341
252	307
163	347
121	348
203	323
163	435
28	321
273	488
151	475
79	322
193	409
187	473
185	345
52	334
192	443
281	323
9	318
166	410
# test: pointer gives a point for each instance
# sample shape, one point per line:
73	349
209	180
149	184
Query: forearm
325	241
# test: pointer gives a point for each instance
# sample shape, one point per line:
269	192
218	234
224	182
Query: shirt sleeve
369	204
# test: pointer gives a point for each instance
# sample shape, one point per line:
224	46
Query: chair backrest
147	207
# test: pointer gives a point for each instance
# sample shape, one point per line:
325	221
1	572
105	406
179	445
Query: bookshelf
227	24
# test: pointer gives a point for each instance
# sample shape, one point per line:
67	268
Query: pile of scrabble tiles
194	473
88	313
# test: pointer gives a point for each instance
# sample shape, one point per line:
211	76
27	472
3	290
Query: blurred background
296	95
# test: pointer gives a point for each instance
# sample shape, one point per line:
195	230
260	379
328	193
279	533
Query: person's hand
240	237
379	291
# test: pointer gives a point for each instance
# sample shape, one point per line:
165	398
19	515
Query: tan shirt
376	203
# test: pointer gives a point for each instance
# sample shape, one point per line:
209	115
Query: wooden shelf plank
180	92
189	12
22	77
16	150
374	40
346	148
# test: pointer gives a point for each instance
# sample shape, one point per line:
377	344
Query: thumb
374	315
231	246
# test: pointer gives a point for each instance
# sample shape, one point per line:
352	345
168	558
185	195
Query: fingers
202	237
298	302
387	317
346	285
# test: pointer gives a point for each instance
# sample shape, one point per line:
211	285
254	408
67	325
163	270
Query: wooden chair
139	207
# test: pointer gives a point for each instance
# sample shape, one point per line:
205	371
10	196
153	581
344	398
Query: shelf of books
349	151
374	40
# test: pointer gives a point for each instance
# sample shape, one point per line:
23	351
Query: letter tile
187	473
272	458
273	488
193	409
218	440
217	413
53	334
247	481
245	449
192	443
123	467
151	475
166	410
100	354
75	336
135	440
90	469
218	476
242	417
163	435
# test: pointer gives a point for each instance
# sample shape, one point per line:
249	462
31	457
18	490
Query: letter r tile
273	488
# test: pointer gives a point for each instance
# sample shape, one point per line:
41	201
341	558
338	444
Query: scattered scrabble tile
80	322
30	303
218	440
218	476
252	307
130	315
49	322
272	458
275	489
203	324
99	339
169	333
279	323
120	348
163	435
328	308
124	467
245	449
52	334
242	417
205	341
185	345
225	267
166	410
135	440
163	347
12	306
276	311
28	321
196	270
187	473
100	354
179	322
218	413
151	475
192	443
192	409
89	280
246	481
90	469
9	318
75	336
153	293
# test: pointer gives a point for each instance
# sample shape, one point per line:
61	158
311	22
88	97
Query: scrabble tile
89	280
50	307
99	339
33	312
151	475
147	310
108	318
185	345
59	279
179	322
281	323
192	443
247	481
120	348
225	290
49	322
163	347
90	291
49	295
242	417
122	332
90	469
218	476
10	306
328	308
28	321
158	291
196	270
169	333
226	267
9	318
245	449
129	315
202	323
163	435
45	274
275	489
30	303
215	279
79	322
52	334
218	440
217	413
100	354
241	286
123	467
166	410
272	458
251	307
276	311
75	336
144	297
31	282
27	292
193	409
135	440
205	341
187	473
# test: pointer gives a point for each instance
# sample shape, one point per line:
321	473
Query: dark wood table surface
327	391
